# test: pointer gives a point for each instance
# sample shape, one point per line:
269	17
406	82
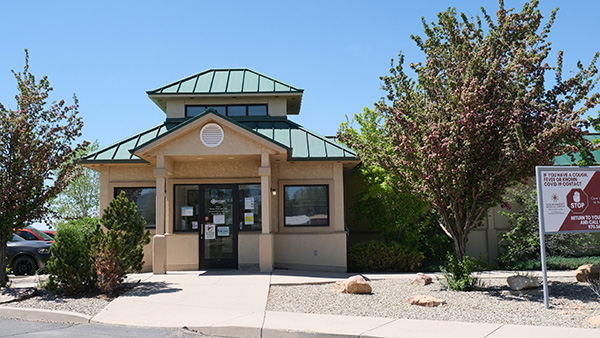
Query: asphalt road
23	328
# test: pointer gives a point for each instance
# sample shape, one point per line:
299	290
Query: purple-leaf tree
479	116
37	152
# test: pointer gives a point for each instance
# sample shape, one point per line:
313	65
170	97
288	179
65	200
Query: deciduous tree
480	114
37	152
81	198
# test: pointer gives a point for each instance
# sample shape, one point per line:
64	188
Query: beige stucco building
227	180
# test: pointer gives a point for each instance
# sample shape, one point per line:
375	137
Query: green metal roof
566	159
226	81
120	152
305	144
302	144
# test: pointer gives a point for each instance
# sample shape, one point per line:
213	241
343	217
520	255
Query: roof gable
227	81
182	129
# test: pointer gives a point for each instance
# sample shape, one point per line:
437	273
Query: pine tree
120	247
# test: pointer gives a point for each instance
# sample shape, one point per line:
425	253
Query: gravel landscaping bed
571	303
88	305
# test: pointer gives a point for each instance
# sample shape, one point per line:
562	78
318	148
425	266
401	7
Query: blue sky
110	52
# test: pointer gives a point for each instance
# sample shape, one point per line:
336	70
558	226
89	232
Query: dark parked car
26	257
32	234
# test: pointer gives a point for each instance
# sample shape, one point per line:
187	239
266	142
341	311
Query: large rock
354	284
588	272
521	282
594	320
426	301
422	279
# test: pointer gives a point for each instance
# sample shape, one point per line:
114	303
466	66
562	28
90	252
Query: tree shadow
557	290
145	289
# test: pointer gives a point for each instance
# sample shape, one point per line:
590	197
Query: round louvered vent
211	135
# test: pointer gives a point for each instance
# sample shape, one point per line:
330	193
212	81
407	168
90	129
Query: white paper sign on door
210	231
249	203
219	219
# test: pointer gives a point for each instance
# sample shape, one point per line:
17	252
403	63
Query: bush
377	256
556	263
86	256
399	216
71	266
119	250
521	243
458	275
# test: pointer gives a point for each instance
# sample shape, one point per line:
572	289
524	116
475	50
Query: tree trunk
460	246
3	276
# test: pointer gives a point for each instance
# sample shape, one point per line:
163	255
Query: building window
251	206
187	204
229	110
306	205
145	200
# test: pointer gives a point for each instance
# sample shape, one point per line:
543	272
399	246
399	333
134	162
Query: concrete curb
46	315
227	331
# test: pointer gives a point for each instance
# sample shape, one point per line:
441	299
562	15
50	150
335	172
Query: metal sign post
568	201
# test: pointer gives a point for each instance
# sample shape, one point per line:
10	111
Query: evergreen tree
120	247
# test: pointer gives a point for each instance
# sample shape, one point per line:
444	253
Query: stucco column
106	194
338	197
159	243
265	251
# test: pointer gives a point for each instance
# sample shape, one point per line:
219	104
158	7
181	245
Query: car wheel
24	265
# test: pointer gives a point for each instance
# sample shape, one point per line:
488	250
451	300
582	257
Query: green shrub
119	249
86	256
377	256
458	275
556	263
521	243
71	266
398	215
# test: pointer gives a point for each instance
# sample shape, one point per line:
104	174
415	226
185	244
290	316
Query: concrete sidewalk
233	304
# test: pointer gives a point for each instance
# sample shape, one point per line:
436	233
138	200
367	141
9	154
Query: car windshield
39	233
17	238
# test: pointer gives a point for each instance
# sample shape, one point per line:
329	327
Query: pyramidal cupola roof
238	81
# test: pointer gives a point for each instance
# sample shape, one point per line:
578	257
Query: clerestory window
228	110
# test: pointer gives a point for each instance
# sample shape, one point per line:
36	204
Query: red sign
577	201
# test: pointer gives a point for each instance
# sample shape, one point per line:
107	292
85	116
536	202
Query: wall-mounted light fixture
274	192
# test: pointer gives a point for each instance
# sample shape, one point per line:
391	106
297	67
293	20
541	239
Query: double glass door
218	236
